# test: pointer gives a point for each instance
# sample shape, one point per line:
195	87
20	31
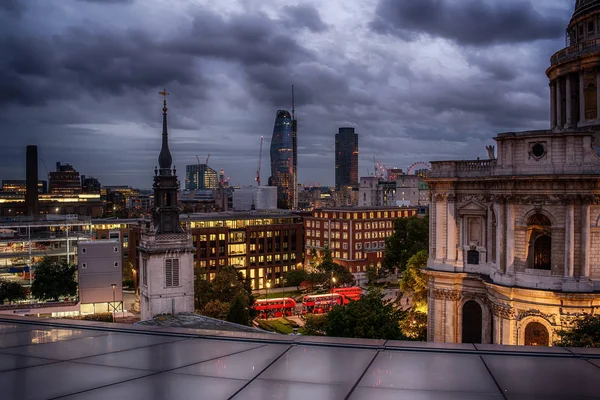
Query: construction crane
259	160
207	157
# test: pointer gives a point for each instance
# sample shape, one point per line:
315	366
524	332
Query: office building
90	185
346	158
255	198
282	160
200	177
64	181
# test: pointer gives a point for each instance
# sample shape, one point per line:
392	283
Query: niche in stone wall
590	94
474	231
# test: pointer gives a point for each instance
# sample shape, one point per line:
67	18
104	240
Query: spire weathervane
164	94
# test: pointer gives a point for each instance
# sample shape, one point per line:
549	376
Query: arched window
472	317
542	251
539	250
536	334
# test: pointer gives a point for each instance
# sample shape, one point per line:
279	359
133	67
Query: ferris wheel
418	166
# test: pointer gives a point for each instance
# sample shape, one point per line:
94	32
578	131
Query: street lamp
267	310
114	286
332	287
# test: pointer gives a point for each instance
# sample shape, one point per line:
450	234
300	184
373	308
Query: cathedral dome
583	7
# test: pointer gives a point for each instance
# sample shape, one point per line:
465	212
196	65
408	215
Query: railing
572	52
27	306
457	169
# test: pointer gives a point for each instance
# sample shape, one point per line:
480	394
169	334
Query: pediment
472	208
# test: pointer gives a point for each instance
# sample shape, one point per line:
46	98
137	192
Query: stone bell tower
166	252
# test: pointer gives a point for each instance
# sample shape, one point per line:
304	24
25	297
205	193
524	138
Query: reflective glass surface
45	361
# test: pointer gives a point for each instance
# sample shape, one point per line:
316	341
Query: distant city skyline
80	80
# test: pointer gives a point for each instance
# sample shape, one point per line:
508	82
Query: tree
414	325
372	275
295	277
314	325
414	280
584	333
411	235
11	291
369	317
54	278
238	311
215	299
329	269
216	309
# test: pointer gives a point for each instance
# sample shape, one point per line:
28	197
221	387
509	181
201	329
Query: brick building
356	236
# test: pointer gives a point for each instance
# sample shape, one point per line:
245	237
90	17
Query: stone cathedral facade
515	239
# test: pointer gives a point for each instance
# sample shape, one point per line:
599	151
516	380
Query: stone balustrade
574	51
462	169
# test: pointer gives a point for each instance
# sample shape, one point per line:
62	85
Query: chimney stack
31	195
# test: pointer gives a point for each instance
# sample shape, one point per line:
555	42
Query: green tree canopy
370	317
238	311
11	291
414	325
329	269
414	280
295	277
411	235
215	299
585	333
54	278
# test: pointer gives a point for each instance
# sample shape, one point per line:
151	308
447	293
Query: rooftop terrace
47	359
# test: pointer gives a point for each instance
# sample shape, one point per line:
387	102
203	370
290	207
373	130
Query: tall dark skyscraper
295	150
282	160
346	158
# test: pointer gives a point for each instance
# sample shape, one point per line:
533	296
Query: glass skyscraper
282	160
346	158
200	176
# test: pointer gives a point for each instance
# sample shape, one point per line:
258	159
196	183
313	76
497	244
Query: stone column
440	227
510	239
581	98
569	108
559	120
569	240
585	240
488	237
500	222
598	94
451	230
553	104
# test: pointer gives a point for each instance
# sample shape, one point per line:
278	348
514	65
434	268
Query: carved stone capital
439	196
522	314
444	294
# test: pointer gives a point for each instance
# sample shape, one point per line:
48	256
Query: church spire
164	158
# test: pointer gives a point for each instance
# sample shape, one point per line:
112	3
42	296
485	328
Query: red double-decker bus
352	293
321	303
275	307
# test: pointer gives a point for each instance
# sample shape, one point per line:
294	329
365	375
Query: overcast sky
419	79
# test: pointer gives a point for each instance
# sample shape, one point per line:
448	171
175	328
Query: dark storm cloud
84	85
15	7
468	22
108	1
304	16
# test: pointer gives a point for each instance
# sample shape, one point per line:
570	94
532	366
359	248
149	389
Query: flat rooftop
48	359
